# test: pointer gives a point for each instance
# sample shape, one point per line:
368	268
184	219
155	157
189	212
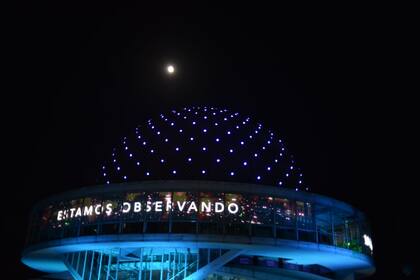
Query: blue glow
258	177
162	160
242	142
203	171
138	163
180	131
268	168
204	130
118	168
216	124
131	155
231	150
232	173
173	171
245	163
217	140
189	159
192	138
177	149
228	132
204	148
218	160
255	155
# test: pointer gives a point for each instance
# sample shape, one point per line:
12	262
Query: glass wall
259	216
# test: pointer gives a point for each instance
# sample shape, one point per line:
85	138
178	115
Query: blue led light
173	171
217	139
138	163
177	149
218	160
268	168
204	149
203	171
255	155
189	159
258	177
245	163
232	173
118	168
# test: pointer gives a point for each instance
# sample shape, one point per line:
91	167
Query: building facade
200	193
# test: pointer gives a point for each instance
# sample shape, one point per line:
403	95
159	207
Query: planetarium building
198	193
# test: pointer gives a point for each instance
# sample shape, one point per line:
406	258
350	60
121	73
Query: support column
214	265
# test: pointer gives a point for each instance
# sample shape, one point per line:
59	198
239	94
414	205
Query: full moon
170	69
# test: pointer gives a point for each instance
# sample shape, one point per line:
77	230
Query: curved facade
206	227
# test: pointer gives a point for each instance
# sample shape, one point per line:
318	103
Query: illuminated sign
368	241
149	206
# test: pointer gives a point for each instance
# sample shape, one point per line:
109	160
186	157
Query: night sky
327	79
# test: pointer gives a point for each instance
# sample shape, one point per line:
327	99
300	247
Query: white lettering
137	207
60	215
108	209
97	209
78	212
233	208
192	207
158	206
205	207
219	207
148	206
181	206
128	207
88	211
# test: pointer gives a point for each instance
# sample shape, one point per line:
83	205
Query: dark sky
331	79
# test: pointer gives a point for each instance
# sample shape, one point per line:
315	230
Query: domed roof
202	143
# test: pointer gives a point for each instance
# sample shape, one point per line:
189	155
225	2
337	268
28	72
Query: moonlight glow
170	69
